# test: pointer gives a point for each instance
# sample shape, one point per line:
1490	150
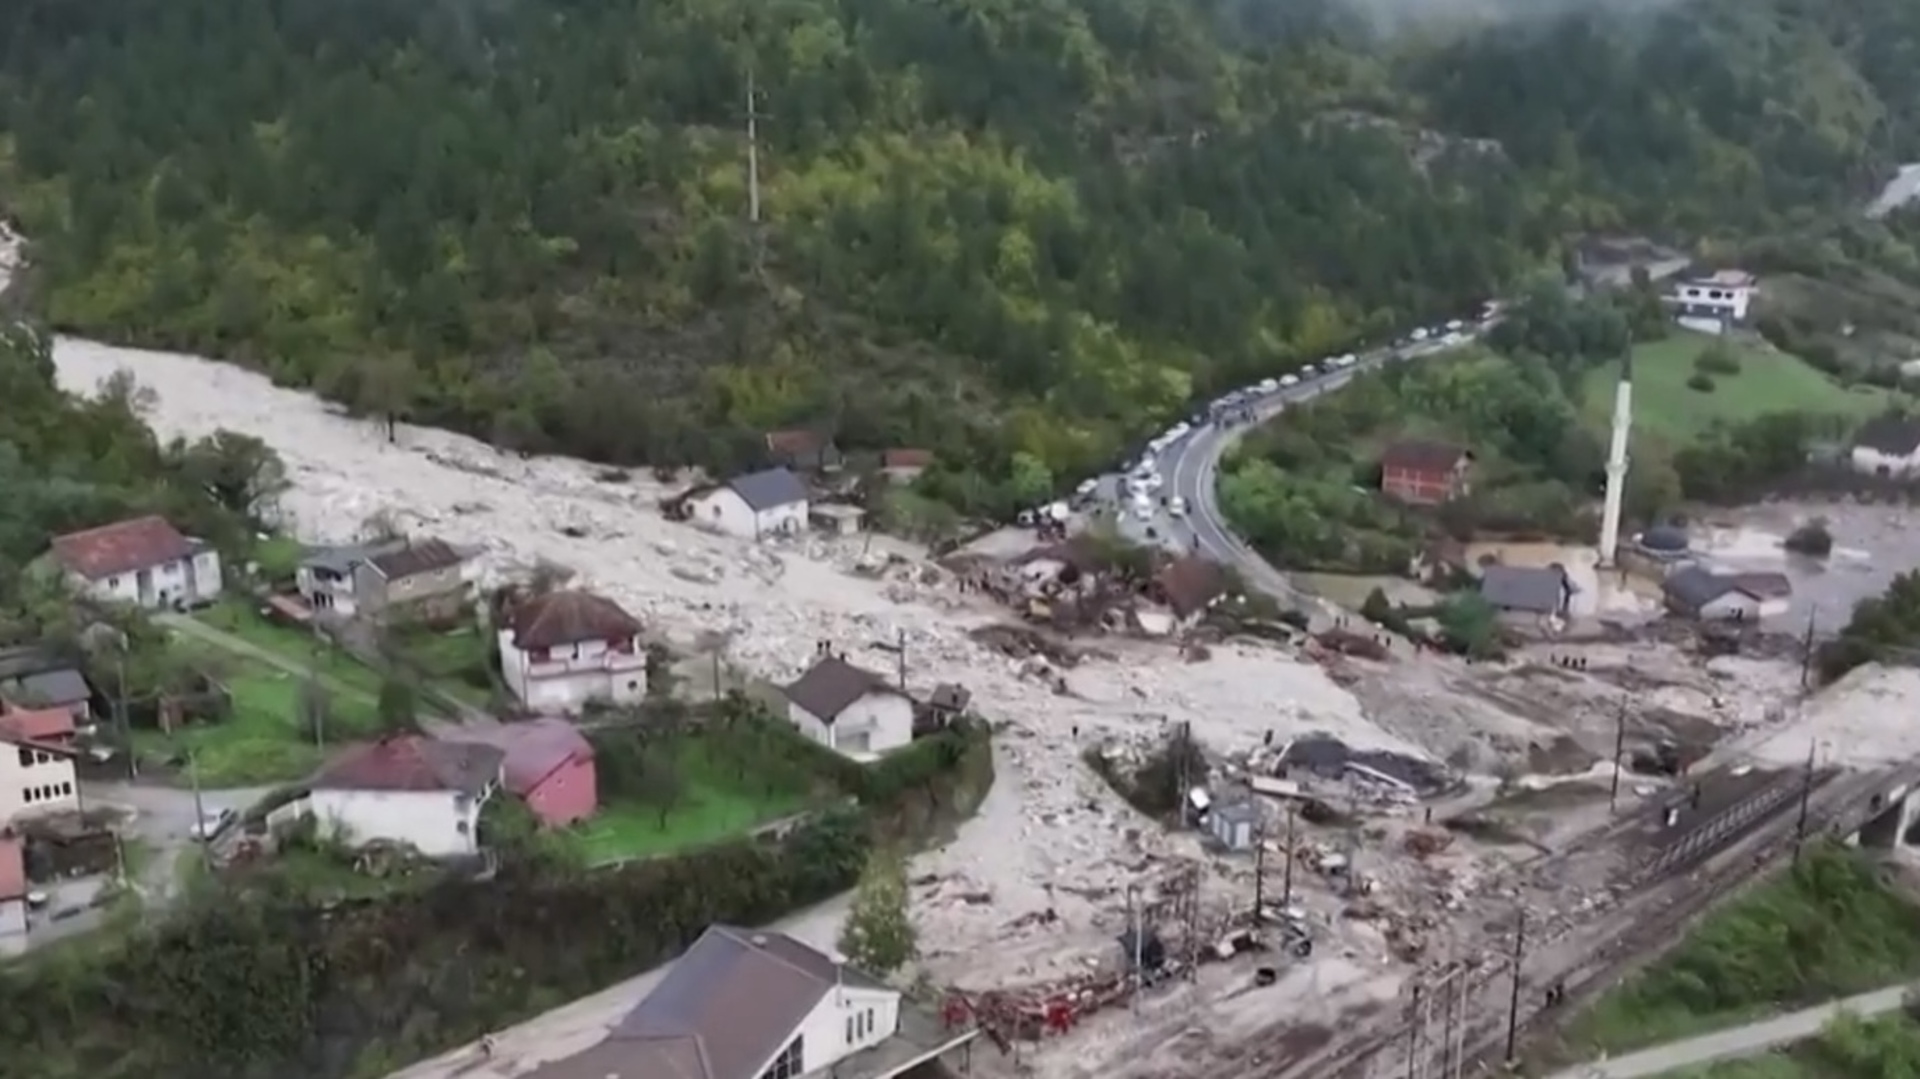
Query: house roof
906	458
122	547
1695	586
951	696
412	762
724	1010
1525	588
769	488
1237	812
23	659
1725	279
13	867
62	686
832	684
534	749
1188	584
37	724
1895	436
569	617
411	557
1422	455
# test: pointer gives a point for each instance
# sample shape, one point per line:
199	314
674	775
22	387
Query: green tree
879	935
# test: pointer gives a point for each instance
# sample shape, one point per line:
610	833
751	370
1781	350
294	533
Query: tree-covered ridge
986	228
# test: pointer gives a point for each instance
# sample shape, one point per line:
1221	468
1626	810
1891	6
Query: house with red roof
144	561
406	789
549	766
560	650
13	894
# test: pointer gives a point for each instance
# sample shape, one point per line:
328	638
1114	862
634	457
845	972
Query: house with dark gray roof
771	502
1712	595
755	1004
1888	446
850	709
1527	595
425	577
35	677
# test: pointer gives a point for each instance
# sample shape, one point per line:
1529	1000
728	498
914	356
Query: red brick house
1425	473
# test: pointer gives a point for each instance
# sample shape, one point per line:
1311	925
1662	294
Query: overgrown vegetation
1827	929
259	980
1884	628
1887	1047
1013	235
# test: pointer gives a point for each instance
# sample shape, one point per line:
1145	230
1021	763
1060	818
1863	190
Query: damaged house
1187	588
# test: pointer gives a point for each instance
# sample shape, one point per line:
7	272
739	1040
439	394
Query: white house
754	1004
1710	304
1888	446
145	562
407	789
35	777
562	649
13	895
757	505
1701	593
848	709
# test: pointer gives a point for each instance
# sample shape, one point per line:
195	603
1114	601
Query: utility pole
716	674
1513	1000
1286	882
1806	653
900	650
1806	799
120	710
1413	1033
199	809
1619	747
1260	874
1139	945
753	151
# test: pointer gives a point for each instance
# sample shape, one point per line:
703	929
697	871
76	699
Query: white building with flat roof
1711	304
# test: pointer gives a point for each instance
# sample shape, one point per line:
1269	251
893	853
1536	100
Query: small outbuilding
1235	824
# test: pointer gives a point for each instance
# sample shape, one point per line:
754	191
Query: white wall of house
723	510
846	1021
875	724
1711	300
330	593
1737	604
13	927
439	824
183	580
1873	462
33	781
570	676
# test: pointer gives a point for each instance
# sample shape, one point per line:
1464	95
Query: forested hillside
986	228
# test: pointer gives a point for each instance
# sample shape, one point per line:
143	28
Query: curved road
1191	465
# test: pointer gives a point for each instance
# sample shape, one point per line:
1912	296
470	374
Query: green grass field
713	804
261	741
1769	381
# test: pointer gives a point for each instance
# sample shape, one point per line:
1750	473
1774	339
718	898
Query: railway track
1583	951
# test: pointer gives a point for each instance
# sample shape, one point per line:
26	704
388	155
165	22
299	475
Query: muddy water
1870	545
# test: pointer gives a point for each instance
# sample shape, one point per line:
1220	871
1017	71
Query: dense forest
992	230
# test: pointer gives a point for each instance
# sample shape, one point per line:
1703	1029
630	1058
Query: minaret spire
1617	460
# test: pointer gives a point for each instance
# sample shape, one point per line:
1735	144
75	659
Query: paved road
1750	1040
1192	464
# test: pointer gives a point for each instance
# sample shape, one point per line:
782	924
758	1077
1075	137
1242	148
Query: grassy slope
1826	930
1769	381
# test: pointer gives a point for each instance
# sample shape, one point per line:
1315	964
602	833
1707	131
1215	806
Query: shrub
1700	383
1717	359
1811	538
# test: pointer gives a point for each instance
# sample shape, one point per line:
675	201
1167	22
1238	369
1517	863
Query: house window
788	1064
868	1024
851	1036
113	582
26	758
539	655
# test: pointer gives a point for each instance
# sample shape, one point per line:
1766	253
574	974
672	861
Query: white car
1344	361
1151	481
1268	385
209	826
1087	488
1177	507
1143	511
1289	380
1419	335
1178	431
1309	371
1456	326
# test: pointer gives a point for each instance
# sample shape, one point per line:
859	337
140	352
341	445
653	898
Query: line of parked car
1140	482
